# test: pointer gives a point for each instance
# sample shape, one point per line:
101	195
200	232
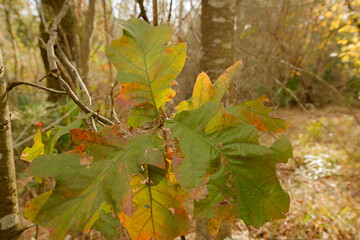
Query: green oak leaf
160	213
108	224
90	178
146	67
255	189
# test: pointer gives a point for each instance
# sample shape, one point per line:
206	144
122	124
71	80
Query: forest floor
323	179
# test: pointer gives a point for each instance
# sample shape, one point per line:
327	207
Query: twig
183	238
53	38
143	11
155	12
54	71
42	17
291	93
66	61
84	108
11	85
113	112
170	8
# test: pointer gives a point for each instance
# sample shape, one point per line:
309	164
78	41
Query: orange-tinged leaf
146	68
204	91
160	213
254	191
254	112
224	212
95	174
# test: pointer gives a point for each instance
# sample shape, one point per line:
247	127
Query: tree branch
170	9
143	11
13	84
55	72
113	112
60	53
77	101
53	38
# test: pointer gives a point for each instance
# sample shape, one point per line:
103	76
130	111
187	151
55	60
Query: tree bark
86	41
68	38
217	36
155	12
9	208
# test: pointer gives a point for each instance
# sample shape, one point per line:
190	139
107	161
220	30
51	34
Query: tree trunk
86	41
217	36
217	40
9	208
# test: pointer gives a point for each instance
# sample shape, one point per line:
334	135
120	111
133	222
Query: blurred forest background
304	55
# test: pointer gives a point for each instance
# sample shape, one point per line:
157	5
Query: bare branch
66	61
143	11
170	9
53	38
113	112
55	72
11	85
42	17
85	109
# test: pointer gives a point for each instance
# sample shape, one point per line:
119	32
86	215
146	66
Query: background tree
9	207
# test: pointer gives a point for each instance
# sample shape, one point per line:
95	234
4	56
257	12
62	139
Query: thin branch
113	112
11	85
155	12
42	17
54	71
143	11
77	101
291	93
66	61
170	9
53	38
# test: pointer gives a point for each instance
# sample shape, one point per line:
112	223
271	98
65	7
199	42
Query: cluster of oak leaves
140	179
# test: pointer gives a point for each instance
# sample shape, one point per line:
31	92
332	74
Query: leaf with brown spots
254	189
146	67
160	213
254	112
92	178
